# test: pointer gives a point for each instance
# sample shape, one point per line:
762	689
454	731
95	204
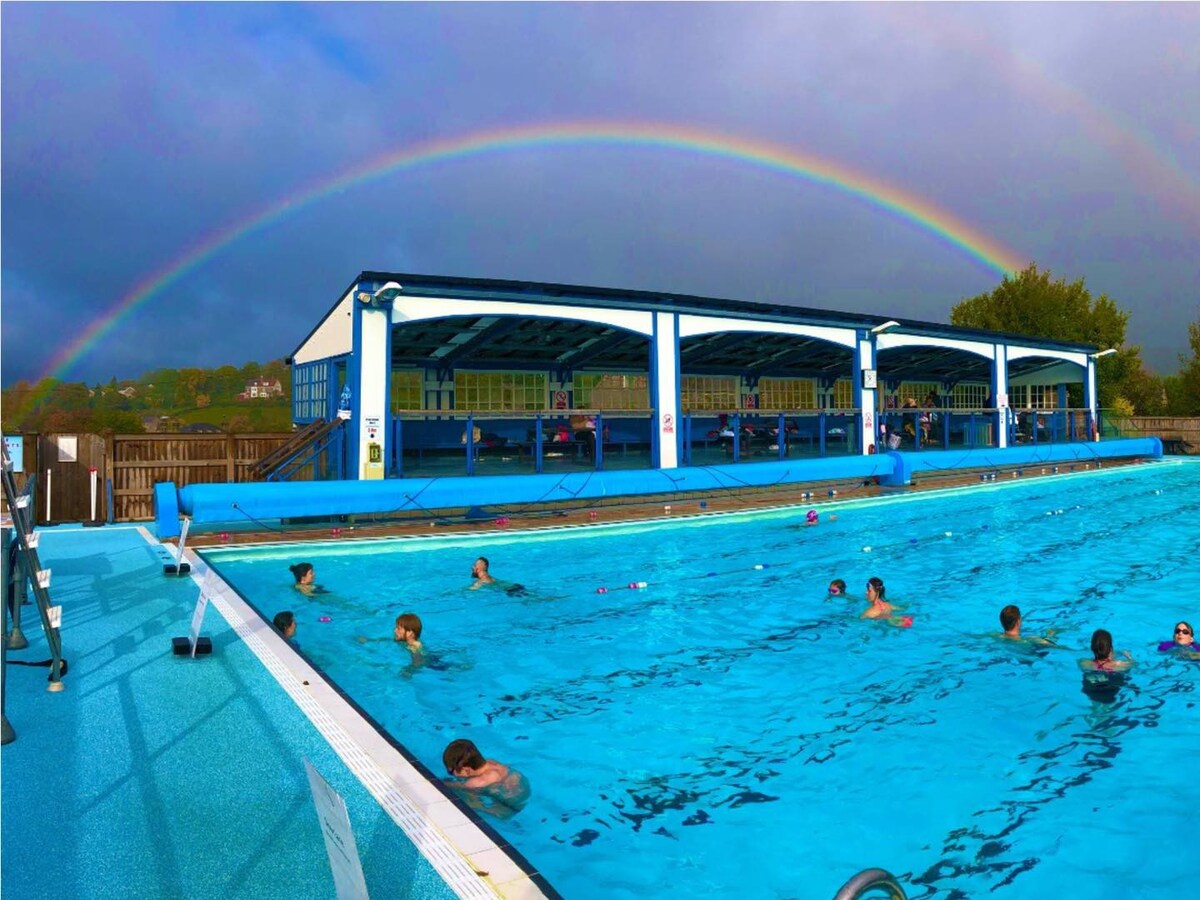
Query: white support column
1000	393
371	396
864	398
664	365
1089	398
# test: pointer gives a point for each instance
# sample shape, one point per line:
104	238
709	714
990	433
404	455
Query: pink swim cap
812	515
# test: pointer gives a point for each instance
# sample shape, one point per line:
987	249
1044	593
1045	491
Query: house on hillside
261	389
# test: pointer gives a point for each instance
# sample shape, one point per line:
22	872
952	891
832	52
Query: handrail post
737	437
470	434
598	441
781	437
821	433
537	446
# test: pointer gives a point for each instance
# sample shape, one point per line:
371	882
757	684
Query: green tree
1184	394
1033	305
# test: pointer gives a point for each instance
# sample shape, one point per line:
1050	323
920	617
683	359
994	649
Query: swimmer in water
1010	621
408	632
1184	643
479	571
1102	655
285	624
483	578
488	786
1103	676
880	608
811	518
305	575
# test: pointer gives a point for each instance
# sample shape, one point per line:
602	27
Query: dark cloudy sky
133	133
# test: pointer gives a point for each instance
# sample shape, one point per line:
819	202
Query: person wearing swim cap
812	518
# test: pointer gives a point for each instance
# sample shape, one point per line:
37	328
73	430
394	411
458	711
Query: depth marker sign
339	839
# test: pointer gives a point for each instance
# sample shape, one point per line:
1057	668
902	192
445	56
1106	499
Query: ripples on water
731	729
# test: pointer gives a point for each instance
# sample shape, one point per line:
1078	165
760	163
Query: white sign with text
348	876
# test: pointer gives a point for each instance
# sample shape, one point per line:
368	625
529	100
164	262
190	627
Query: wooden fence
133	464
1179	434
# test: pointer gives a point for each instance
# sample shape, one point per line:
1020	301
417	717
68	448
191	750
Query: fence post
230	457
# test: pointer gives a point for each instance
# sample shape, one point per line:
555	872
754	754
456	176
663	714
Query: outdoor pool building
433	371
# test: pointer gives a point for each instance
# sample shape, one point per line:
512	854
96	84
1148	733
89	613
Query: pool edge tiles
472	862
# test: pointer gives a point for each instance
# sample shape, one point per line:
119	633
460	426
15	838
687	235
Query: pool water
730	728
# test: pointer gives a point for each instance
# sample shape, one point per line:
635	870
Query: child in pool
489	786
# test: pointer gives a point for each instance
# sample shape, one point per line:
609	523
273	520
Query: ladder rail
23	526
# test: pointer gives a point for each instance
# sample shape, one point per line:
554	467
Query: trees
1032	304
1184	392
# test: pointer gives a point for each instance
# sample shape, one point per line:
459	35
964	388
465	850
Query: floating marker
951	533
636	585
325	619
763	566
866	549
711	575
601	590
912	540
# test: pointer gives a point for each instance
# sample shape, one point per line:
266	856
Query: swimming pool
730	728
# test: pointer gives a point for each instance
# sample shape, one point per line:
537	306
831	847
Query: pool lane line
429	820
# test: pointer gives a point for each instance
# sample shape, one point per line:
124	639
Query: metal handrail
874	879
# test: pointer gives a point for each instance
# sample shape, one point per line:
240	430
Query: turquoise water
730	728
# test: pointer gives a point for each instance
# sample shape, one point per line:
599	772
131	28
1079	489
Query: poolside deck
157	776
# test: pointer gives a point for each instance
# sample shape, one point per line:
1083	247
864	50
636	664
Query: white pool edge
465	857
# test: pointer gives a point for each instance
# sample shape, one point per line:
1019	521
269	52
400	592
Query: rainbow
904	205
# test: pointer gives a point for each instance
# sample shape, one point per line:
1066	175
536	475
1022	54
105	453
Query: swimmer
408	631
1104	676
1010	621
811	518
490	787
1102	655
305	575
479	571
1184	643
285	624
880	608
483	578
837	588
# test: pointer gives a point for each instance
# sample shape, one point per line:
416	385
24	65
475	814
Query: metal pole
7	735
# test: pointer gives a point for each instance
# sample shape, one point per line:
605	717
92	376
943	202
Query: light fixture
1103	353
388	292
886	326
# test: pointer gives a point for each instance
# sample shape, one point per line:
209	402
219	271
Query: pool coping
471	858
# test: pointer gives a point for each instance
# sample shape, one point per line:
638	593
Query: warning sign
560	399
668	423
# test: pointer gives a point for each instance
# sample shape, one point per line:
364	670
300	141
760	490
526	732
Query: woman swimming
1184	641
305	575
880	608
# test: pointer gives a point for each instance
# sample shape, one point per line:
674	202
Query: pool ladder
870	880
